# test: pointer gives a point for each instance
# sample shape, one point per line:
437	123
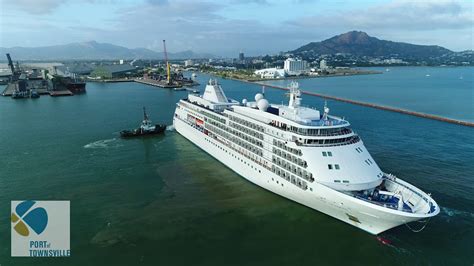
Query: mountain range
356	43
92	50
359	43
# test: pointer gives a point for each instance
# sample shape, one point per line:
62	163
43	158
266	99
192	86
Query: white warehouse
270	73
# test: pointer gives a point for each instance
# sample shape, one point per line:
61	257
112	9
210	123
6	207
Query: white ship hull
364	215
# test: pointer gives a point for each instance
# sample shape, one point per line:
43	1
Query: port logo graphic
40	228
25	217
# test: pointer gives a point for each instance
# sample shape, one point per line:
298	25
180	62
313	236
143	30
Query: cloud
157	2
34	6
406	15
211	26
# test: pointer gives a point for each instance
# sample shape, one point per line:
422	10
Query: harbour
222	133
188	191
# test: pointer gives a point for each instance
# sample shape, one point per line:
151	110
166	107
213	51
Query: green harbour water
163	201
442	91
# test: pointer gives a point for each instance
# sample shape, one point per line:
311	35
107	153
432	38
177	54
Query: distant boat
146	128
387	69
34	94
427	75
17	94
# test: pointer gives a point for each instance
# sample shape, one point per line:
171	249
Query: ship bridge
213	98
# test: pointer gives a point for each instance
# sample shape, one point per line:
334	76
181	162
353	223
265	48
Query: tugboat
146	128
34	94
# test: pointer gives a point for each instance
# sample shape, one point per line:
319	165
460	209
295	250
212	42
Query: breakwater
377	106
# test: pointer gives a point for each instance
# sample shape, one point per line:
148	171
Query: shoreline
354	72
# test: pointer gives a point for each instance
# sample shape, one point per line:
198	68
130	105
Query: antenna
263	90
145	116
326	110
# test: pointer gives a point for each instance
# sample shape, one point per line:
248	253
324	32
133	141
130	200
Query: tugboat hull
159	129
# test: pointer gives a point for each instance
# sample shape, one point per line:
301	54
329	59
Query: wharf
381	107
157	83
110	80
60	93
9	89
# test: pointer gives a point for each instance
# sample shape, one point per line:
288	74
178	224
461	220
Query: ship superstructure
302	154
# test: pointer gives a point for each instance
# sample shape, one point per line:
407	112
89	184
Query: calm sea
163	201
443	91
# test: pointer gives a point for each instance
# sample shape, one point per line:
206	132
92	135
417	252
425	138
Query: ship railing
382	204
413	193
355	139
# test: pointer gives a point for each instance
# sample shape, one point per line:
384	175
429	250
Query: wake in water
452	212
103	144
170	128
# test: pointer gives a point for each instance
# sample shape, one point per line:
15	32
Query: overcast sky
225	27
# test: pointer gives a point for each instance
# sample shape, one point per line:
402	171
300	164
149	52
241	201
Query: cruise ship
302	154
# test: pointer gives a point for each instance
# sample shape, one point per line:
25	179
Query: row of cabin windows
368	162
224	149
212	116
237	133
247	146
281	145
336	166
218	131
358	149
217	124
289	177
290	157
343	181
292	168
247	138
190	112
341	141
247	123
327	154
237	140
246	130
319	132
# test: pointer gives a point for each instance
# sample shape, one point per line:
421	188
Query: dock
8	91
376	106
60	93
11	87
110	80
157	83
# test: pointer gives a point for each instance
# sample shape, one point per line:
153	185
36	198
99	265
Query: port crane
15	73
167	63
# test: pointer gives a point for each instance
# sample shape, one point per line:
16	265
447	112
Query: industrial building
113	71
270	73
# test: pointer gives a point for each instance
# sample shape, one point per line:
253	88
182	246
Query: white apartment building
295	67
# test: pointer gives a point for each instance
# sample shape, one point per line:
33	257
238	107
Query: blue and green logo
25	217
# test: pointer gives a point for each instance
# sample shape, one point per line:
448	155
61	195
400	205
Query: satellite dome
244	102
258	97
263	104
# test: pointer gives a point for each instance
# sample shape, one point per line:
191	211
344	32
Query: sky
226	27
